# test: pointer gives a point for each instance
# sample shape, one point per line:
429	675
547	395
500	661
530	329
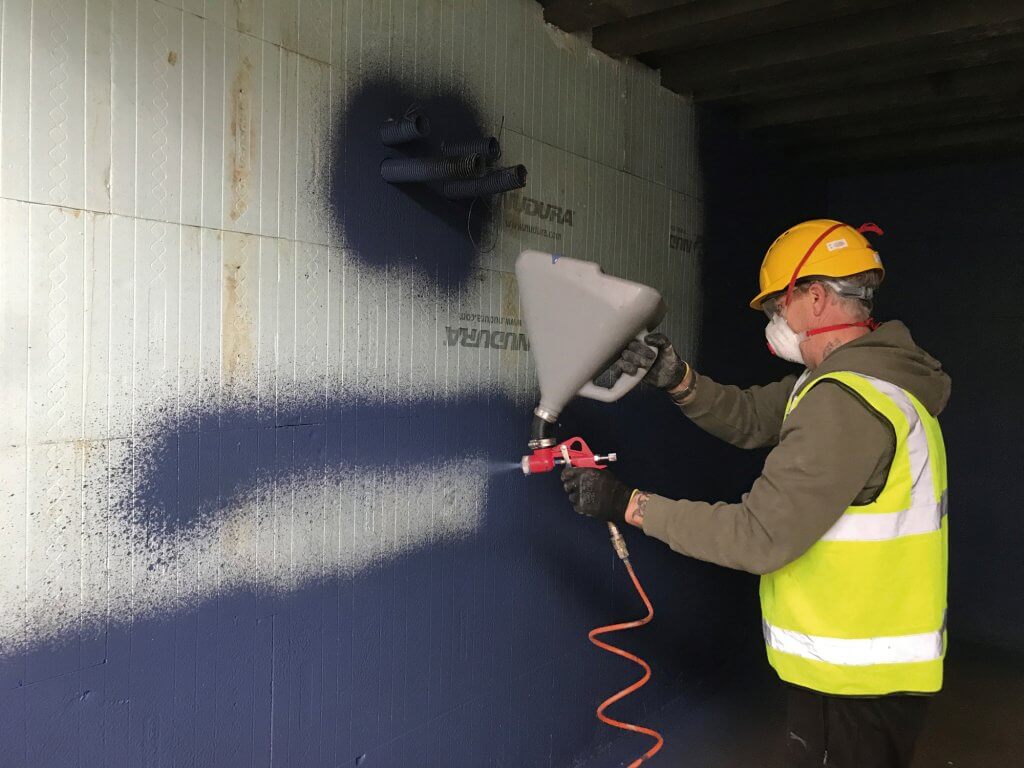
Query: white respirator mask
783	341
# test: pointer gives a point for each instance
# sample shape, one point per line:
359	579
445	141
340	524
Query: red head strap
865	227
800	265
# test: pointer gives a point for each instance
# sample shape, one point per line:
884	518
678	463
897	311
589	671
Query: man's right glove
597	493
665	369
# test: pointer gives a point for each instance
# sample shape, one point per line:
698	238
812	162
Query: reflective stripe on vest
858	652
882	526
833	617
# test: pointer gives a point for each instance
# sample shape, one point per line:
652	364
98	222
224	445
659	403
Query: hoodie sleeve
746	418
833	451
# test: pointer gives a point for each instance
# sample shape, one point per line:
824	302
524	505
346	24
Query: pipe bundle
463	171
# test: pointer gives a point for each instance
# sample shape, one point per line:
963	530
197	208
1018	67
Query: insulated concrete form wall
255	497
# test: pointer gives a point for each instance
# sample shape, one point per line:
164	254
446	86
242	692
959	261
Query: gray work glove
665	369
597	493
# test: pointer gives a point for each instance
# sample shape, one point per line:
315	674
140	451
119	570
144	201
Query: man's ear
819	298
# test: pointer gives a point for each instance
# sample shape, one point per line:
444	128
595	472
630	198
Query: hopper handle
622	385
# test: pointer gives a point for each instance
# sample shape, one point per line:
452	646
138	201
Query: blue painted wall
407	225
472	652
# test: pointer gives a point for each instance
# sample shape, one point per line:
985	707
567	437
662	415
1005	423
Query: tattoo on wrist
641	508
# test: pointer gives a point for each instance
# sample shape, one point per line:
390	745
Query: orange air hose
620	548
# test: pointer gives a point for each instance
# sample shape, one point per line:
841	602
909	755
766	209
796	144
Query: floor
974	723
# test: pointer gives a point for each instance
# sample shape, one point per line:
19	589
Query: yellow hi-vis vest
863	611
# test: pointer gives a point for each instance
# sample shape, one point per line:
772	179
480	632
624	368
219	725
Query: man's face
794	308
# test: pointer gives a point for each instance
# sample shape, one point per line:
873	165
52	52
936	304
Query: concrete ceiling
836	83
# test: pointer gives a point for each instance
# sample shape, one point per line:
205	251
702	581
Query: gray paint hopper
578	319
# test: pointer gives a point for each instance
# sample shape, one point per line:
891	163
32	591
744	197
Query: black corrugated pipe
541	432
402	169
495	182
487	146
404	129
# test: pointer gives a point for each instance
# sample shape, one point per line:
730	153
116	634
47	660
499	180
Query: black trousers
847	732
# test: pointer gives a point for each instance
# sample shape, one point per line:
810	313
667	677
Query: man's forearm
746	418
830	451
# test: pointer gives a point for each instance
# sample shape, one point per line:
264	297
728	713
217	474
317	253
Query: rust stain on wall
236	316
83	451
242	139
508	359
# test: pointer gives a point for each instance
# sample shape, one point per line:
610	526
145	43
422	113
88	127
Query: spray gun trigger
565	454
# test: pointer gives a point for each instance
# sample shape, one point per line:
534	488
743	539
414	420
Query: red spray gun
573	452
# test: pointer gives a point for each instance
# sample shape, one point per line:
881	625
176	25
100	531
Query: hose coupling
618	542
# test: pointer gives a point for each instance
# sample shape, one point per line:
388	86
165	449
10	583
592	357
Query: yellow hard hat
818	247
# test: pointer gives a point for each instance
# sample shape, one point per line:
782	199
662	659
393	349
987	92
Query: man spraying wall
847	522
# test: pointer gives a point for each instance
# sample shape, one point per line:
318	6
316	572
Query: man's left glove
665	369
597	493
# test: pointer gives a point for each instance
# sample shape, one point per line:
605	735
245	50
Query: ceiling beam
700	24
995	81
932	117
885	67
953	156
907	27
580	15
999	136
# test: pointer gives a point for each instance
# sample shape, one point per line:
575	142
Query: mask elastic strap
870	324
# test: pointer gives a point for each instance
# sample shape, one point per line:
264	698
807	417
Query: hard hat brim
760	299
852	264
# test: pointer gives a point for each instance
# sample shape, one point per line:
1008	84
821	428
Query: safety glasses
773	305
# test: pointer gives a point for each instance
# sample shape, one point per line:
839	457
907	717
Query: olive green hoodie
832	451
